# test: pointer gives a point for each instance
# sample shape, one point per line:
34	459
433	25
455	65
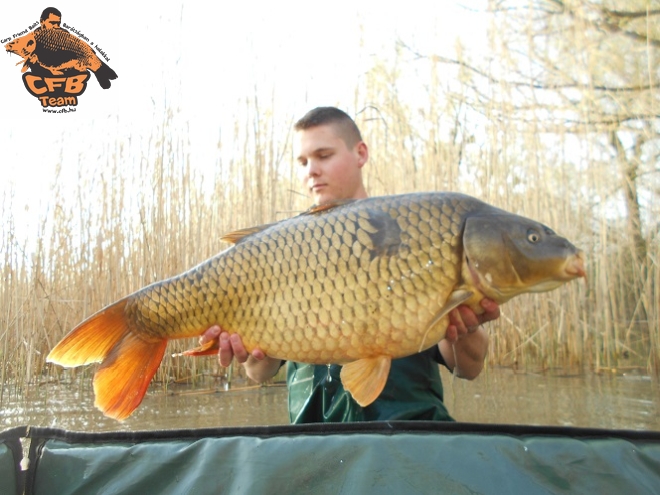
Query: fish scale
384	294
58	40
357	283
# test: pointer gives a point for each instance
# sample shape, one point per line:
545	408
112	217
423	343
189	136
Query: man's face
52	22
328	169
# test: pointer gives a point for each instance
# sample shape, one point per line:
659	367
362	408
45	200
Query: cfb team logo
56	63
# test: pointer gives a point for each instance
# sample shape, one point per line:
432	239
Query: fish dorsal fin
237	236
455	299
365	378
316	209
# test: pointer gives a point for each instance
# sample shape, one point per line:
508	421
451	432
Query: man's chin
321	197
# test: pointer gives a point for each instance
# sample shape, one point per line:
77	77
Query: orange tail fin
93	339
121	381
128	362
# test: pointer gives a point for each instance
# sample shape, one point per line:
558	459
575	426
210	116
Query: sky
201	60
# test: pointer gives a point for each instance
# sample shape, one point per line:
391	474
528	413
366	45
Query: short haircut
343	123
50	10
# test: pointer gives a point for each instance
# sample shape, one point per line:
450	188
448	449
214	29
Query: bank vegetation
559	121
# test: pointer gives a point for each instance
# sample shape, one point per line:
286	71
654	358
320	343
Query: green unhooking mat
389	457
11	453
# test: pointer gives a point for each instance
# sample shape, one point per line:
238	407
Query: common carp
57	50
357	283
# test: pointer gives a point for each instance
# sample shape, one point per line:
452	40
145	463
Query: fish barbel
357	283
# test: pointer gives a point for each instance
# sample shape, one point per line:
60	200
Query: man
331	155
51	18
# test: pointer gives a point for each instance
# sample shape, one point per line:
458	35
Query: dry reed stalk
141	216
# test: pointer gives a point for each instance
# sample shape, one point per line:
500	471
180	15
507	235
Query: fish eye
533	236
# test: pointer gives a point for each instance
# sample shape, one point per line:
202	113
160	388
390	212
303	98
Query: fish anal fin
93	339
456	298
122	380
365	378
206	349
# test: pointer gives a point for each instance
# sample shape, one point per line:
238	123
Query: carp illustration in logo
50	51
57	50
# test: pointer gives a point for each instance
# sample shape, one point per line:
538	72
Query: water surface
499	395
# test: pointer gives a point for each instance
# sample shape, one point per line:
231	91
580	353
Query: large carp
357	283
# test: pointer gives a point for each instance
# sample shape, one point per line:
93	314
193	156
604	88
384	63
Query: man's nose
313	168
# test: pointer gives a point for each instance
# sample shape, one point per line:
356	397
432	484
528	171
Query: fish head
23	47
506	255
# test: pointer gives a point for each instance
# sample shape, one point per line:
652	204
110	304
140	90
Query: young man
51	18
331	154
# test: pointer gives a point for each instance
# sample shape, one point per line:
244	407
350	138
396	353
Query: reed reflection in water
558	398
499	395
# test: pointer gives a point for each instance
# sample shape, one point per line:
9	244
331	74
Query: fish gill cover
57	60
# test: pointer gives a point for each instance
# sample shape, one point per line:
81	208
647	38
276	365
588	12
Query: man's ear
363	153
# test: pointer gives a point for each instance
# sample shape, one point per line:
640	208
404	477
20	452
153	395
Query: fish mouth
575	266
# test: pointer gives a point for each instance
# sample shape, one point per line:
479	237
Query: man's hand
463	320
231	346
465	344
258	366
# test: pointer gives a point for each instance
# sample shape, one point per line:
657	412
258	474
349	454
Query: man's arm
258	366
465	344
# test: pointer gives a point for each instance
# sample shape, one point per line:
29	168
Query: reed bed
143	213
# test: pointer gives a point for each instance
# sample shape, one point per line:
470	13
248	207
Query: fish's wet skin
357	283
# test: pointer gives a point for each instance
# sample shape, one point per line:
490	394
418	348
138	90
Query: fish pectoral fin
365	378
206	349
455	299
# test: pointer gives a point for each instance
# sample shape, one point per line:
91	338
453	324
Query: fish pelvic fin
93	339
365	378
455	299
122	380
